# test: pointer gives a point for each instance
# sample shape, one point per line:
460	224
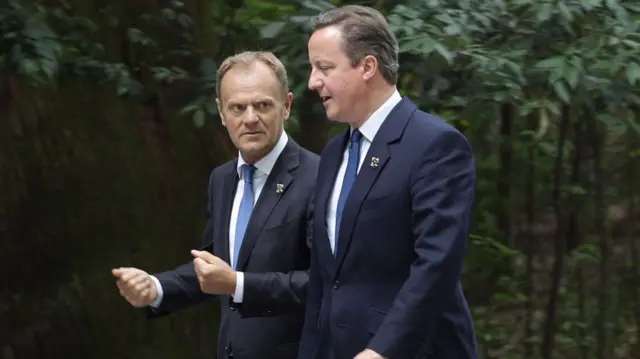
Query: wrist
232	282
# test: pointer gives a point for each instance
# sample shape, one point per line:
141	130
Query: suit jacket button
336	285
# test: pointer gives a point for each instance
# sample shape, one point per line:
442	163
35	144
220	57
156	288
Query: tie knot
247	173
355	137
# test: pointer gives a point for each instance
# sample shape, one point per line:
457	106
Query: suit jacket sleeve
442	191
308	339
275	293
180	286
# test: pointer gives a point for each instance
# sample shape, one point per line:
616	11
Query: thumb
117	272
204	255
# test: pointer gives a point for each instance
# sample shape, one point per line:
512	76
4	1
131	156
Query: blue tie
349	178
246	206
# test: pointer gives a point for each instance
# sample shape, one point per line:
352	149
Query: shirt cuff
239	293
158	300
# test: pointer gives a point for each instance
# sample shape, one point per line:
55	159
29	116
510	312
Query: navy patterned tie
349	178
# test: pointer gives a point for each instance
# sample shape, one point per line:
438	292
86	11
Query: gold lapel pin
374	162
279	188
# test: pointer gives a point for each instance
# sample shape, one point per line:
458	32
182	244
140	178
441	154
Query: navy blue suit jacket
394	284
274	257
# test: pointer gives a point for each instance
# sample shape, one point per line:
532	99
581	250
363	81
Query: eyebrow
322	62
264	99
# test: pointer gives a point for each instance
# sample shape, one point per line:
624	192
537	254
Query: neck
251	157
371	103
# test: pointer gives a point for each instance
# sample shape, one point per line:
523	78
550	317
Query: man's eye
237	108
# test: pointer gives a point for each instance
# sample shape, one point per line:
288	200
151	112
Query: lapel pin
374	162
279	188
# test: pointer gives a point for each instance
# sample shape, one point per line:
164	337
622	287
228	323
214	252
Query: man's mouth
325	98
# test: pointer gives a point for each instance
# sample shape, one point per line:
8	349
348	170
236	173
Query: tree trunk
558	264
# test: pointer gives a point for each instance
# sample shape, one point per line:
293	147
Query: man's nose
314	83
251	116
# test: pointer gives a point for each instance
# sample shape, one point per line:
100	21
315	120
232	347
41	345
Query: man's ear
224	123
369	67
288	102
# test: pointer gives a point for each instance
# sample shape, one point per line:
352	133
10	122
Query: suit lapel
334	159
373	164
361	187
230	182
274	189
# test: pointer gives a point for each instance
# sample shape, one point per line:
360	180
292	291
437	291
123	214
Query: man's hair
249	58
364	32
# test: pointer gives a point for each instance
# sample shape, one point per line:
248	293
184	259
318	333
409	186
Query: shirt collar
371	126
266	163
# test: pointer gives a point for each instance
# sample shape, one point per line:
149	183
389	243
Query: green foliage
546	91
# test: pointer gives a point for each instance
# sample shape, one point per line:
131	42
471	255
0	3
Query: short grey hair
248	58
364	32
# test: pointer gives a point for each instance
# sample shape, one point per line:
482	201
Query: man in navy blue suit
393	202
255	253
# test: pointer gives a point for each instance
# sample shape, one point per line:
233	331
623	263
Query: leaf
423	44
272	30
633	73
198	118
614	124
500	96
631	122
565	11
612	4
551	63
184	20
561	91
448	55
318	5
298	19
452	30
544	12
208	68
572	75
192	107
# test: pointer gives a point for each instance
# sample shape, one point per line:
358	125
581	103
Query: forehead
253	82
324	44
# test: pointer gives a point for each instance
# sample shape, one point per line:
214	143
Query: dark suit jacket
274	257
394	284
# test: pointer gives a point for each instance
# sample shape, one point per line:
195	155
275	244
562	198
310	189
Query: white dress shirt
263	169
368	129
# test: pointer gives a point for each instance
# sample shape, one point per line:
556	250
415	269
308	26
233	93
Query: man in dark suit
393	200
255	254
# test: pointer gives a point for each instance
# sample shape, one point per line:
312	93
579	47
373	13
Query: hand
214	274
368	354
136	286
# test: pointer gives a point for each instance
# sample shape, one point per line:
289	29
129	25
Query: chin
333	116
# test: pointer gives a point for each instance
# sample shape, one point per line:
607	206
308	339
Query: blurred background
108	131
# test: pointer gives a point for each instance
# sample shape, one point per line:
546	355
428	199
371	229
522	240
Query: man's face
338	82
253	108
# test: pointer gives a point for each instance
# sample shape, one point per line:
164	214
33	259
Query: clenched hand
368	354
214	274
136	286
